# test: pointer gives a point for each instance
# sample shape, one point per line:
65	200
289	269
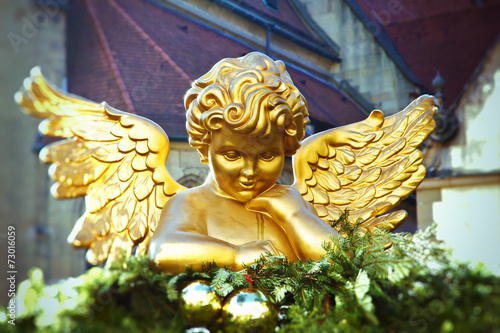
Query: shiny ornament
249	310
200	304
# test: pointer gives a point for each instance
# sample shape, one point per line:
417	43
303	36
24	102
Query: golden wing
367	167
115	159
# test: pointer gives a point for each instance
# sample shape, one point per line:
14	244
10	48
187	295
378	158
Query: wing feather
115	159
366	167
102	226
138	223
99	250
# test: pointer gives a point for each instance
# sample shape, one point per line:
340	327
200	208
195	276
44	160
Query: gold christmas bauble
249	310
200	304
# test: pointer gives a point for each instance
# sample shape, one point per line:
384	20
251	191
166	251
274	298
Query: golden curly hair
251	95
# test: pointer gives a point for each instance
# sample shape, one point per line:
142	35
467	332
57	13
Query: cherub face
244	166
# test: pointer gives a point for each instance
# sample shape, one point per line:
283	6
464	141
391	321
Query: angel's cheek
269	172
226	173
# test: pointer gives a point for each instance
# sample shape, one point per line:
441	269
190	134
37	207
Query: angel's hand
304	229
280	203
247	253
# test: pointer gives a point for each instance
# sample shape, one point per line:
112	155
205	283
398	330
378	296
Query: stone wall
365	64
466	203
31	35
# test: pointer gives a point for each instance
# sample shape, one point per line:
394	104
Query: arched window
191	180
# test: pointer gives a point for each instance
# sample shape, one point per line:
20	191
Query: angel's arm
179	249
305	230
307	233
181	240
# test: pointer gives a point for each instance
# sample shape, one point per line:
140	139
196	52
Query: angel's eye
267	156
231	155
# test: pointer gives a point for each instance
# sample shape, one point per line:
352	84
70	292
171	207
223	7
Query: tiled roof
391	12
450	36
325	103
141	57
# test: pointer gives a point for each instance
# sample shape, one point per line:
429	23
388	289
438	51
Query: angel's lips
247	185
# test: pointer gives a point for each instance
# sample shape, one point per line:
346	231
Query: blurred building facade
464	196
31	35
394	50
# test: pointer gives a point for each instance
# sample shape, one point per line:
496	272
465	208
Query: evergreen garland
371	282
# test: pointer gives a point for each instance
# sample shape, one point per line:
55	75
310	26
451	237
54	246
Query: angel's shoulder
185	211
188	200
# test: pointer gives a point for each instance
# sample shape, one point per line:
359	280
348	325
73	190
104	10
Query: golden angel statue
244	116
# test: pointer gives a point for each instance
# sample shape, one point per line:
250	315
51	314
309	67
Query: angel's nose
249	170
